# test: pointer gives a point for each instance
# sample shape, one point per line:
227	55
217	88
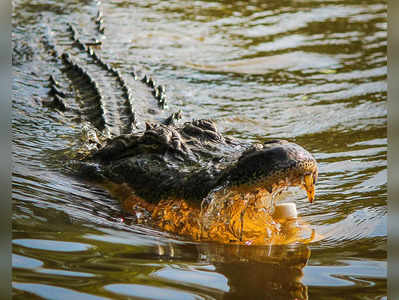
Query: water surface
313	72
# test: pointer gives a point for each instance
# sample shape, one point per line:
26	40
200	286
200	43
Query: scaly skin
192	160
193	180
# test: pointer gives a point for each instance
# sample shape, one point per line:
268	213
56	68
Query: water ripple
311	71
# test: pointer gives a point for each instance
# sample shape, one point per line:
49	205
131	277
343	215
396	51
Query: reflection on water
313	72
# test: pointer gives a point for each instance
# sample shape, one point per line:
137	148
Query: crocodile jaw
274	166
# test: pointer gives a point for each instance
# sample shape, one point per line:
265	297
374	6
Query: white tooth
285	211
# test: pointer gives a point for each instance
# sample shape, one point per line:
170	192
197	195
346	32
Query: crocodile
188	177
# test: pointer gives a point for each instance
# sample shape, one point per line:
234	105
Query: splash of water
227	215
246	217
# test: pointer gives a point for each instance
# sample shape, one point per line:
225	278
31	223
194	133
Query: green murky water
313	72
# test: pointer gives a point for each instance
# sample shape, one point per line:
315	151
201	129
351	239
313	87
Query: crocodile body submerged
163	160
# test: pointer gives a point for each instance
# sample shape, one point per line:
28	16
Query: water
312	72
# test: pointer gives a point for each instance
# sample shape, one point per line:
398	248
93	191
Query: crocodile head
275	165
192	160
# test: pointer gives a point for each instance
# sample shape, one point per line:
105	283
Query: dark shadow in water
252	272
262	272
